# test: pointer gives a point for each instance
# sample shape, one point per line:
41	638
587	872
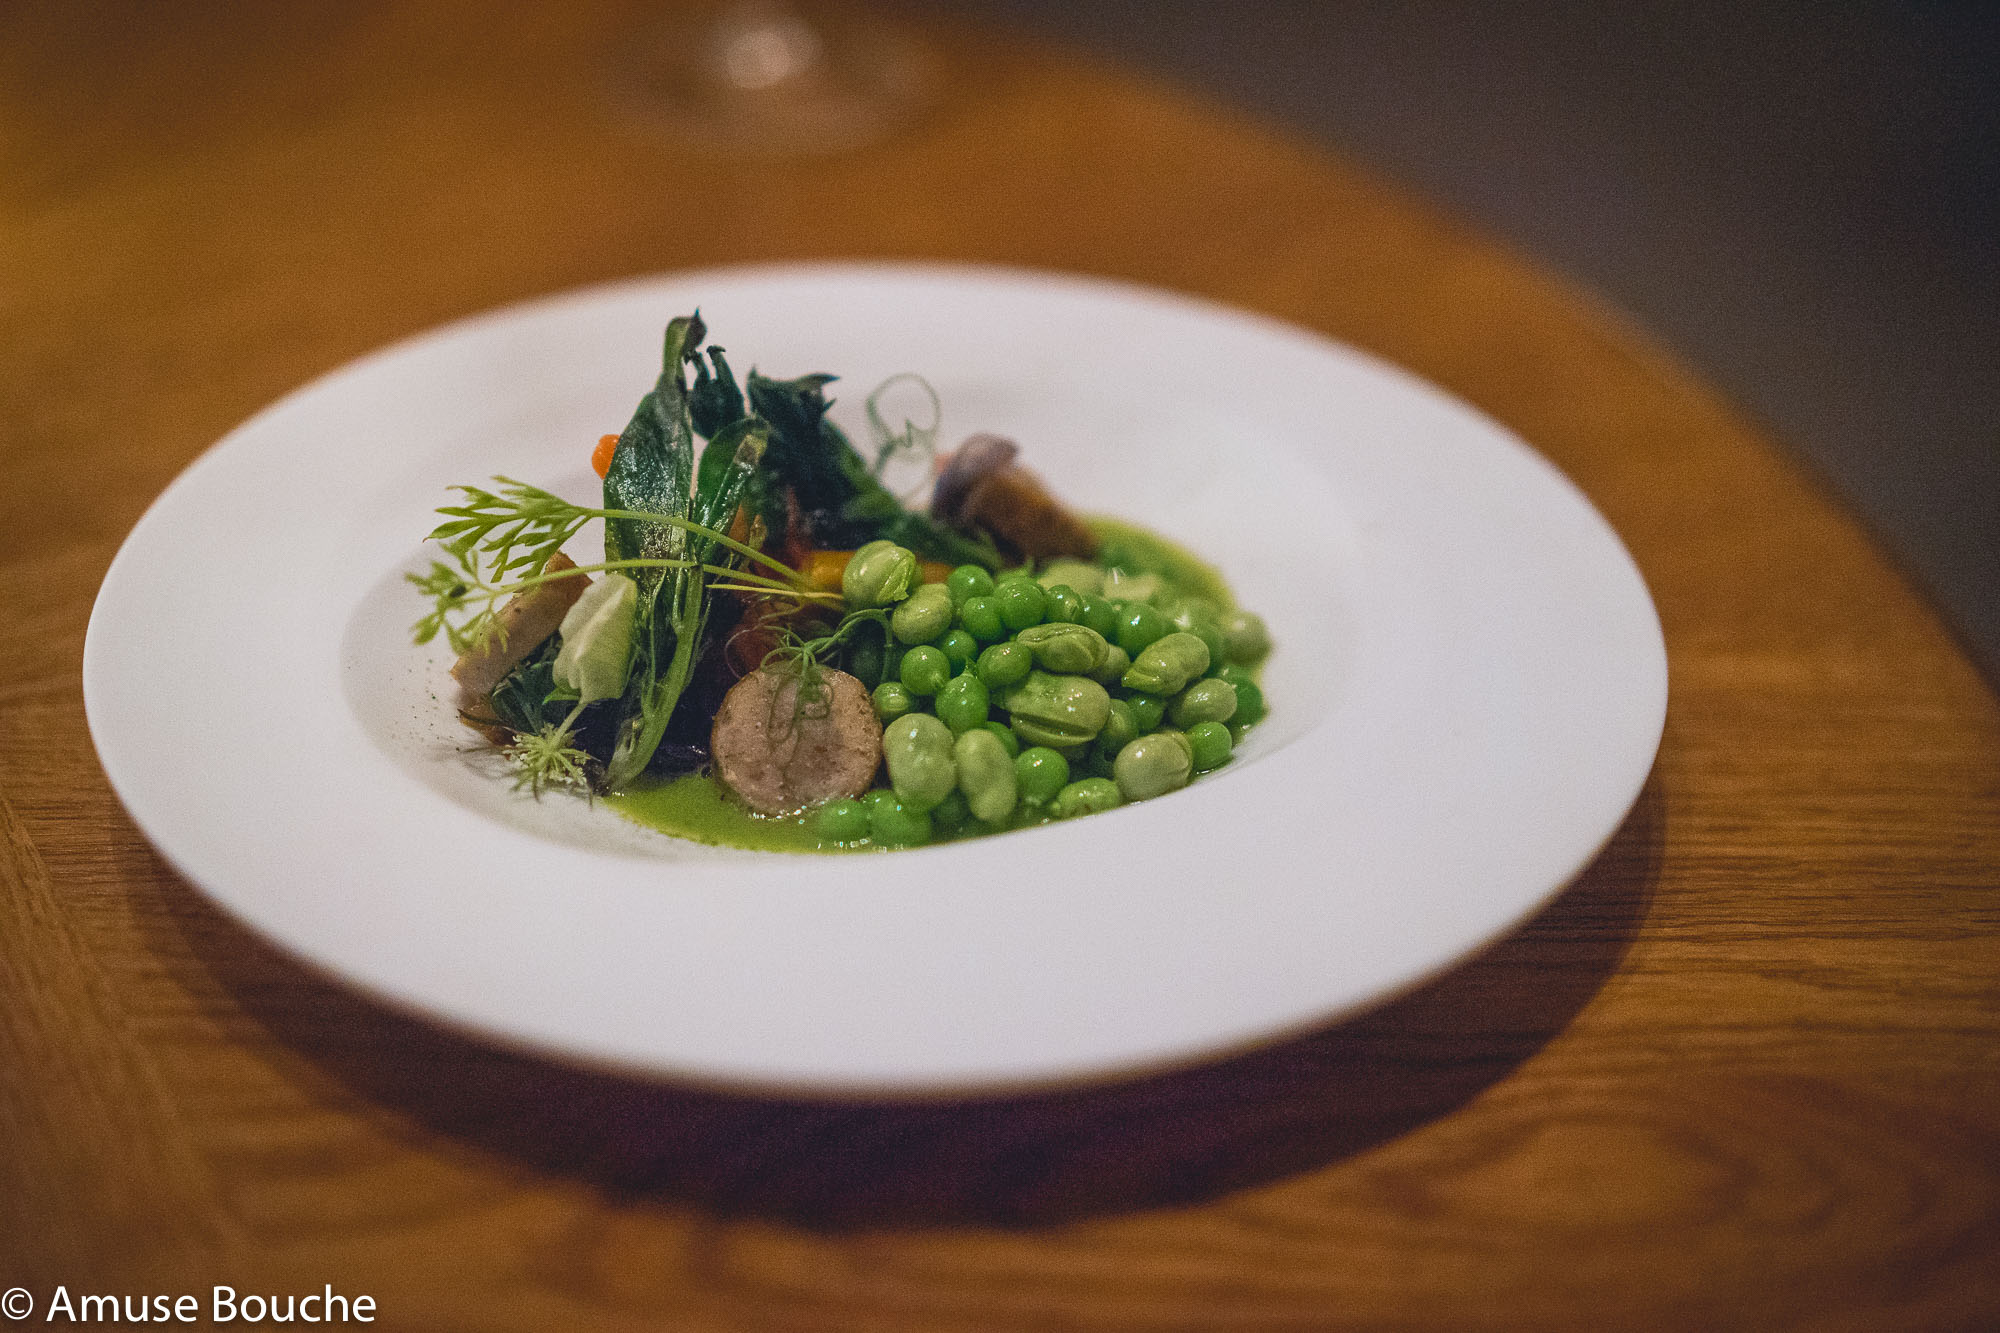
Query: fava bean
1072	650
1167	664
879	574
1057	711
985	775
917	749
1211	700
1132	587
892	700
1086	579
923	615
1245	638
1153	765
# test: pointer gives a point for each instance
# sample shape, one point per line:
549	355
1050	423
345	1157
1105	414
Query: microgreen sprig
801	656
499	533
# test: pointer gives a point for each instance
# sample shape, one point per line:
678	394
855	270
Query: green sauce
1131	547
695	807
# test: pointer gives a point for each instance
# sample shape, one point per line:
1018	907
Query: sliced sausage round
780	754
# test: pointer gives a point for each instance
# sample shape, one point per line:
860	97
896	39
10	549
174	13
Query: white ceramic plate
1466	696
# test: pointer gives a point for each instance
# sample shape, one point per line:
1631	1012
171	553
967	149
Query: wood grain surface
1744	1074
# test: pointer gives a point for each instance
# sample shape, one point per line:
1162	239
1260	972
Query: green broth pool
696	807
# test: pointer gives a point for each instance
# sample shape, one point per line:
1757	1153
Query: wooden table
1744	1074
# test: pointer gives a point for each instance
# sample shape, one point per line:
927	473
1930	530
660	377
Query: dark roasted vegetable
841	503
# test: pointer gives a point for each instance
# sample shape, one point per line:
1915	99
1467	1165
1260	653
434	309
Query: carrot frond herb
517	527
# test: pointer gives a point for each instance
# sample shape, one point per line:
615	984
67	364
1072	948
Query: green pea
923	615
962	703
877	797
1236	674
1057	711
981	618
1245	638
1114	666
1119	728
917	749
1250	705
951	814
841	821
1204	629
1208	700
892	700
1153	765
1008	741
1086	579
1211	743
1167	664
1140	625
1021	602
968	581
1094	760
879	574
959	648
986	775
1005	664
894	824
1148	711
864	661
1086	796
1041	773
1062	605
925	670
1073	650
1101	614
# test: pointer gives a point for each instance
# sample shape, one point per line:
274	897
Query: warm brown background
1744	1074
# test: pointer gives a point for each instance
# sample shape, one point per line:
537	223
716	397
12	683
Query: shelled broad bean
1012	700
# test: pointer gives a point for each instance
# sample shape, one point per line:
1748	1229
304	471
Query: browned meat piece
779	756
983	487
527	619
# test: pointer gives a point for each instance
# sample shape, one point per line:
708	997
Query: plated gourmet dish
779	650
